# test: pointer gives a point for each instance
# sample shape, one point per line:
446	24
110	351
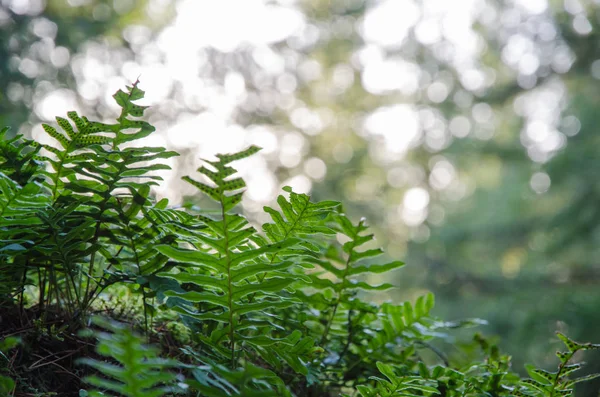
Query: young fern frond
301	219
345	265
404	326
138	371
553	384
225	266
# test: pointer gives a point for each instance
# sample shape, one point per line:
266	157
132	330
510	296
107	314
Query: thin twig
34	365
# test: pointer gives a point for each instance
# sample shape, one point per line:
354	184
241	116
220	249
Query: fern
342	317
551	384
224	277
21	196
489	377
275	312
20	207
18	157
97	189
344	264
394	385
136	238
211	379
400	325
138	371
301	218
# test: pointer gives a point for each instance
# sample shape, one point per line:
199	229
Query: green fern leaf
344	265
227	278
18	205
139	371
215	380
19	157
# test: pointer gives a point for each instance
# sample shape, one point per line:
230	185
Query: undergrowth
225	309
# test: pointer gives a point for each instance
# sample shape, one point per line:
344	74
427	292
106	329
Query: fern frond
405	322
223	267
211	379
79	145
548	384
138	371
95	185
301	217
298	217
91	160
18	157
338	284
393	385
19	204
21	208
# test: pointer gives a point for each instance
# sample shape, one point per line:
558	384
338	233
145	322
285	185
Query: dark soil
45	363
46	359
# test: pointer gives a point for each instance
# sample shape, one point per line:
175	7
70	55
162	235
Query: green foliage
20	199
223	278
7	383
396	385
281	312
549	384
523	229
74	227
211	379
138	371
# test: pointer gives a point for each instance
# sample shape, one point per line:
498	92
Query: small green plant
550	384
66	214
278	310
138	371
7	383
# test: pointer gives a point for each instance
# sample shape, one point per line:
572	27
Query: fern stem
42	288
99	287
229	284
436	351
561	366
145	312
349	340
144	295
69	276
22	295
55	181
338	300
87	299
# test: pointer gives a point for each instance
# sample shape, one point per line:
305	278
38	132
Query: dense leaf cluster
276	312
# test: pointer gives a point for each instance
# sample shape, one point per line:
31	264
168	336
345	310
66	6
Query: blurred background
465	131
